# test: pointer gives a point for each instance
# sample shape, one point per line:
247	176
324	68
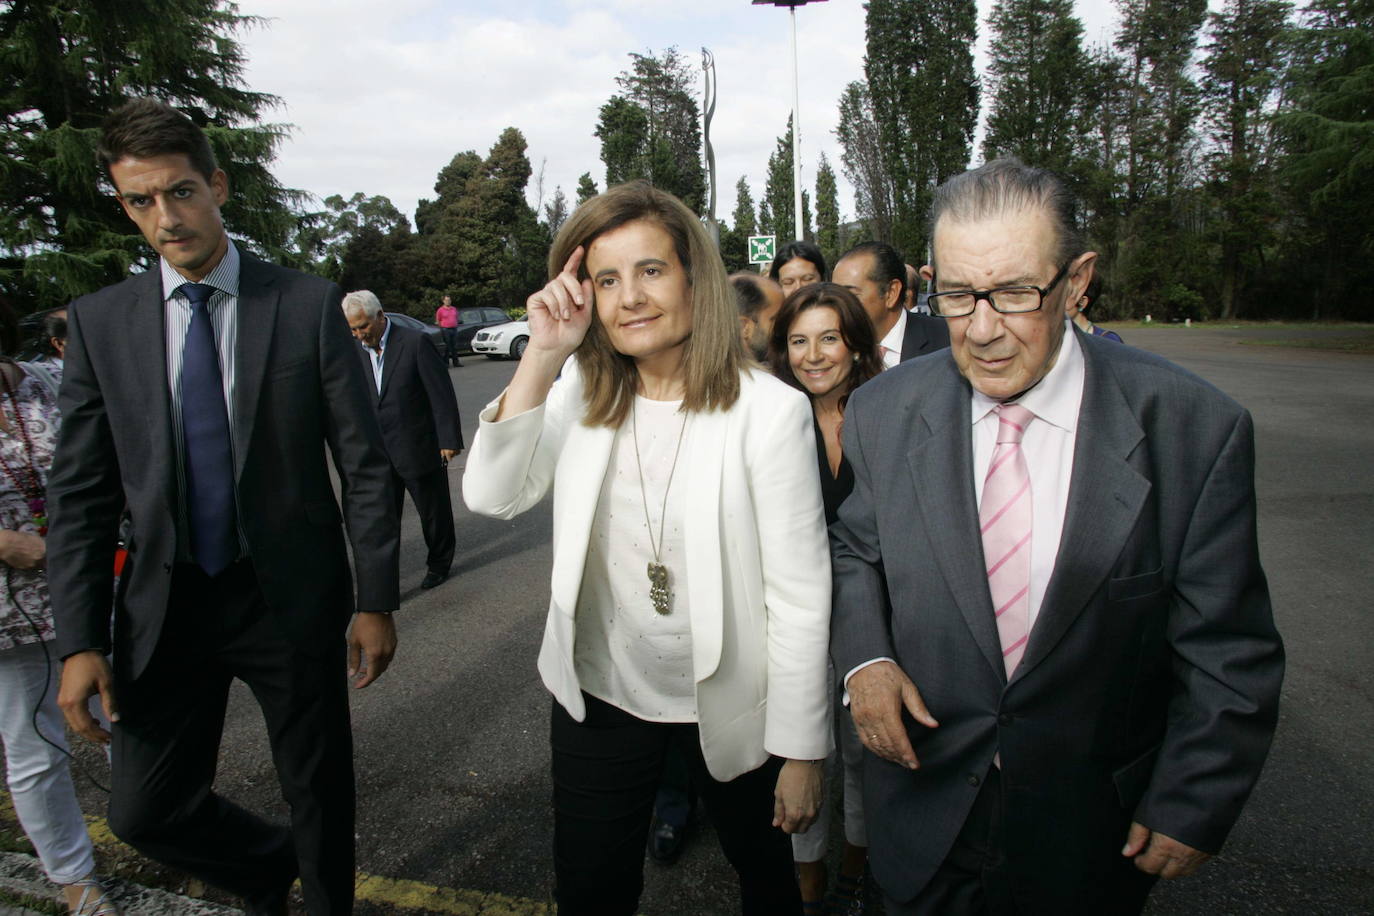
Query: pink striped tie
1005	520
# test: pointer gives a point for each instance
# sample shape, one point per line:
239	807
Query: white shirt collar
896	336
1058	396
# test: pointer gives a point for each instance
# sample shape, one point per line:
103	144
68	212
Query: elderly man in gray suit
1049	564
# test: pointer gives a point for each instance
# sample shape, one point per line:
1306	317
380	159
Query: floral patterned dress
25	611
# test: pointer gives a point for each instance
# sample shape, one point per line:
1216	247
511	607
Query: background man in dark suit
875	273
202	394
1049	560
418	413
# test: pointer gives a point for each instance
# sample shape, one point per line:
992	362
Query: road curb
22	874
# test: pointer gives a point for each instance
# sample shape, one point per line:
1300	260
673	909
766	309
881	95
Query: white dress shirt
896	336
377	356
1048	446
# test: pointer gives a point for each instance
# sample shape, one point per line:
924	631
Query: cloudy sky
383	94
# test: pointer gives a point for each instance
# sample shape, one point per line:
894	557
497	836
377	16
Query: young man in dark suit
1049	609
202	395
875	274
418	413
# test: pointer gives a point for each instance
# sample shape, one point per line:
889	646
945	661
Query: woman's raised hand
560	313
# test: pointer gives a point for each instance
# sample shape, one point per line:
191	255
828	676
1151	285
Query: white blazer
757	556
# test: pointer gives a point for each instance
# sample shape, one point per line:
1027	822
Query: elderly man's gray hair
364	300
1005	186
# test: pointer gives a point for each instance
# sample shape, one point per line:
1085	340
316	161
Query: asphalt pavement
451	744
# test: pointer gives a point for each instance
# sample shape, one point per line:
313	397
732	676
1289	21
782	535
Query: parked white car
503	341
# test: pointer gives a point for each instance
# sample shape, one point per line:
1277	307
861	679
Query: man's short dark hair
1008	185
888	264
144	128
749	295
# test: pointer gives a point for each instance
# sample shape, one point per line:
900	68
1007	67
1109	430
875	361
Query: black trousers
975	879
605	774
430	494
450	344
166	746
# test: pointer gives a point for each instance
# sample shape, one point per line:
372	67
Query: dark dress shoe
432	579
267	905
665	841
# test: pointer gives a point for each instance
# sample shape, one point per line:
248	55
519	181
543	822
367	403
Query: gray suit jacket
299	388
1150	684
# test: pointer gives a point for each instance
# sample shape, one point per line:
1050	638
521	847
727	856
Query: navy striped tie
205	431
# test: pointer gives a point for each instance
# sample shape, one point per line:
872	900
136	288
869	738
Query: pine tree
1327	167
1034	82
480	241
1242	70
652	129
66	67
1161	264
586	188
556	211
924	97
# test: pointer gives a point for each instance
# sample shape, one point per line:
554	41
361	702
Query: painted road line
394	892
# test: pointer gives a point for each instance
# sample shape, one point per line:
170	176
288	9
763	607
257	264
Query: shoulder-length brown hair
856	330
714	355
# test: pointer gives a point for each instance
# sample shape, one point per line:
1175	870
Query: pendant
658	587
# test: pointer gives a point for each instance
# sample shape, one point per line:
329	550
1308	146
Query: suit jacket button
166	567
973	780
1004	720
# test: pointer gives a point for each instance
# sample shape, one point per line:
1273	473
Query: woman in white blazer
691	574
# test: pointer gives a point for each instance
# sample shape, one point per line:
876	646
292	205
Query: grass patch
1363	344
40	904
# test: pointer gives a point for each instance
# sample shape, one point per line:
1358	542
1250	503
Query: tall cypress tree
778	208
66	67
827	211
924	93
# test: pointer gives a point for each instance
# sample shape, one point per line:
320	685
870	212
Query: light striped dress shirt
224	307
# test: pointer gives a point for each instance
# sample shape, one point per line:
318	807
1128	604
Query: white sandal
94	899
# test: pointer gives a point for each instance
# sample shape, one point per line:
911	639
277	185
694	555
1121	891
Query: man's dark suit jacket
417	409
299	388
1149	688
924	334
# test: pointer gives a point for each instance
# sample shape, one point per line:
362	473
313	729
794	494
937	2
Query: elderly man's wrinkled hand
877	696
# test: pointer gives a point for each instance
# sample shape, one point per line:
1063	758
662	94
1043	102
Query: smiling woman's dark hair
856	330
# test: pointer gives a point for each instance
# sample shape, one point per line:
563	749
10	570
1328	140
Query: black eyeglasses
1009	300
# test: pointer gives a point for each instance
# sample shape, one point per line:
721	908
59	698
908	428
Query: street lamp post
796	108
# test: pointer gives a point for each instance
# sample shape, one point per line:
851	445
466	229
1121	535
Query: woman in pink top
446	317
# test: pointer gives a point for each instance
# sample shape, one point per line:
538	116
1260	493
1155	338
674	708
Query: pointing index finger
574	261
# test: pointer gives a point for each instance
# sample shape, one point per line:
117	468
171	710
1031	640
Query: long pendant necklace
26	482
659	592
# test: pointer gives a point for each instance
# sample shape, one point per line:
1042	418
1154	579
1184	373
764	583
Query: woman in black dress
824	344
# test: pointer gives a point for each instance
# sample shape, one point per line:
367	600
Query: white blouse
626	652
